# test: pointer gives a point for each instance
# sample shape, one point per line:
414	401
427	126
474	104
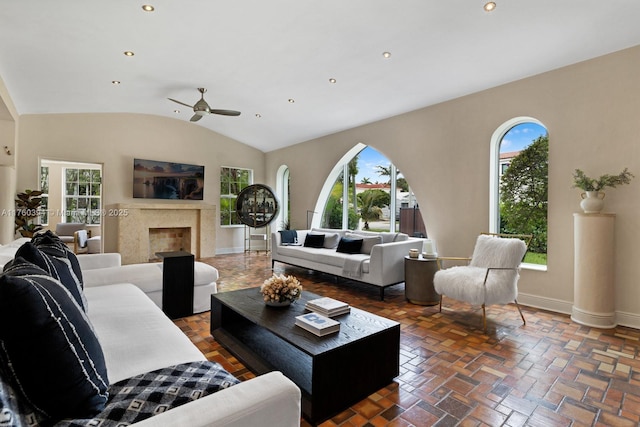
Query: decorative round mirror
256	205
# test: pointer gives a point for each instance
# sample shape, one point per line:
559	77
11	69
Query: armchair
66	230
491	276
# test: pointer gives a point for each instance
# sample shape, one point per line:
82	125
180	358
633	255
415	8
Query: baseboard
551	304
226	251
631	320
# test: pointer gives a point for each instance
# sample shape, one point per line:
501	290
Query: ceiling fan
201	108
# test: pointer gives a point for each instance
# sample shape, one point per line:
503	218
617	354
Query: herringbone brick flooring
549	372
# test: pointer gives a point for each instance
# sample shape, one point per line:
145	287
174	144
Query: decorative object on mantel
592	198
27	212
280	290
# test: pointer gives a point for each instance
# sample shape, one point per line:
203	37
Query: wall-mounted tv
166	180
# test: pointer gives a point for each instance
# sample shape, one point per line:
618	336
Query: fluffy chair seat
491	276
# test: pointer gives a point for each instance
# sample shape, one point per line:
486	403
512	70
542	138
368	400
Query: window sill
534	267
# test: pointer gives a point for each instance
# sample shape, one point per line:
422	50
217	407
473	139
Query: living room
588	107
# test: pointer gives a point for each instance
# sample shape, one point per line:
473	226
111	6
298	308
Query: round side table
418	280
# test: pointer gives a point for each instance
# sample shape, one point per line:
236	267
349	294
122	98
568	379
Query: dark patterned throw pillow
59	267
48	349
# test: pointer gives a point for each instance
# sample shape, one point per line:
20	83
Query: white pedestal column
593	283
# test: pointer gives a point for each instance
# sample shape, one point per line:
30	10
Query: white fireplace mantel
134	221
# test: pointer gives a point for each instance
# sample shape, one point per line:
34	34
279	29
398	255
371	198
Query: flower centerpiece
281	290
592	198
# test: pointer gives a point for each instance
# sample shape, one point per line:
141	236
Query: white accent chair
66	230
83	244
491	277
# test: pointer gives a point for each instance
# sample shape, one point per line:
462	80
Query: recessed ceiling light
148	8
115	82
489	6
386	54
128	53
332	80
258	115
291	100
176	111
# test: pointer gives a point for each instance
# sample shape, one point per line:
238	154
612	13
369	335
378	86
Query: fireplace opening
168	240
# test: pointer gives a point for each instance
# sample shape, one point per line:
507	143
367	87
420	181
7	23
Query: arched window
366	191
519	183
283	192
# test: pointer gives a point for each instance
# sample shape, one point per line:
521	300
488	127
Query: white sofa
381	264
106	268
136	337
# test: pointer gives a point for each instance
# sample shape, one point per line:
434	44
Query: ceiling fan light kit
201	108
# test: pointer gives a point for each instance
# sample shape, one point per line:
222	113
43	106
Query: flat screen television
154	179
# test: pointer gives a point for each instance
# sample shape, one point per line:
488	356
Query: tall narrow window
232	182
44	187
82	195
521	184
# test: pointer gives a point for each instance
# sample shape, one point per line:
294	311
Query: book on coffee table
328	307
317	324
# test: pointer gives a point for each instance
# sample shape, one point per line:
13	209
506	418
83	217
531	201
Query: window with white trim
82	195
232	182
519	183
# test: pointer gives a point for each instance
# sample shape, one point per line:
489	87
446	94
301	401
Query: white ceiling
253	55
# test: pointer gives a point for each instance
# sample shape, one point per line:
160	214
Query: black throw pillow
59	267
51	244
288	236
349	246
314	240
48	349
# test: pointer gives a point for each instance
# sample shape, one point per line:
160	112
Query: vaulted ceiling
274	60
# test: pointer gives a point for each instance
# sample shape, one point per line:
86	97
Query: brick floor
549	372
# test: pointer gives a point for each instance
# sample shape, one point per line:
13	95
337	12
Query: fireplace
168	240
144	229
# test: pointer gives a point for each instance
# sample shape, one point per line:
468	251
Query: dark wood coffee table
333	372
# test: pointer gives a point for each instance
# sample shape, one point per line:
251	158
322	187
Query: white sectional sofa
380	262
135	337
106	268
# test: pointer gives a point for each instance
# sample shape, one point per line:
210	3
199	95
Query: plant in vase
281	290
27	212
592	198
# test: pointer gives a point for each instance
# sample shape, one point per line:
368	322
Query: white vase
592	201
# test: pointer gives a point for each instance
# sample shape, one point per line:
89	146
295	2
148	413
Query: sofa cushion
48	349
314	240
59	267
331	240
288	236
368	241
349	246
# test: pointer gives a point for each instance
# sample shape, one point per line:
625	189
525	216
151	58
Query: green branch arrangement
583	182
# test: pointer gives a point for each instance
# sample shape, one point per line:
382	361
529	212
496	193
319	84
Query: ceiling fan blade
225	112
181	103
195	118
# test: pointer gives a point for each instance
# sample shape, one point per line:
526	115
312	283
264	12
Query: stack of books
317	324
328	307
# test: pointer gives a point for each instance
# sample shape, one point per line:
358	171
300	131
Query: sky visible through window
520	136
368	159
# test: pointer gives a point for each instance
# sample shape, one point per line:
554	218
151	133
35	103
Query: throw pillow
51	244
331	240
48	348
368	241
288	236
58	267
314	240
349	246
